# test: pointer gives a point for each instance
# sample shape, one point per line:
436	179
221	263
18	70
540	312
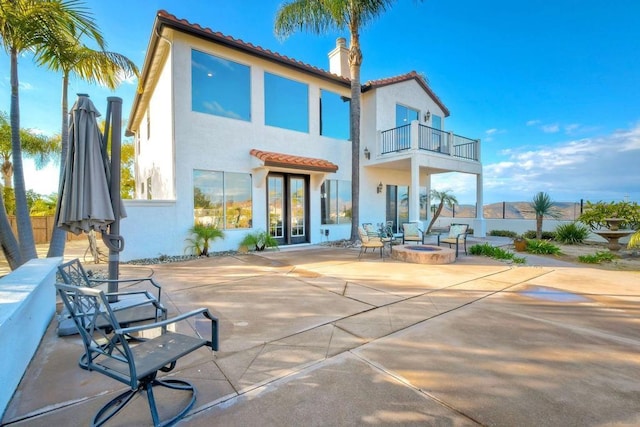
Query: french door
397	206
288	208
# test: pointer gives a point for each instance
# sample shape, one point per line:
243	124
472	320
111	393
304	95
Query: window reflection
334	115
222	199
336	202
286	103
220	87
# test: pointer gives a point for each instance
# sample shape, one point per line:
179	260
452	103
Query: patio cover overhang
289	161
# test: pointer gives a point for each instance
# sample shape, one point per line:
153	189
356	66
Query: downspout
172	112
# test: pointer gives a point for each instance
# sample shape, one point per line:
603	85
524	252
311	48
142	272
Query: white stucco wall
156	151
207	142
408	93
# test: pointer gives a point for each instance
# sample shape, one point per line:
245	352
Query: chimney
339	59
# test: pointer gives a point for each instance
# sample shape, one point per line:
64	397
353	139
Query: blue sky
552	88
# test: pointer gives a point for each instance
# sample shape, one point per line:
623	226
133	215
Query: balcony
425	138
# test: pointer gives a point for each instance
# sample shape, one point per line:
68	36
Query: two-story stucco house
234	135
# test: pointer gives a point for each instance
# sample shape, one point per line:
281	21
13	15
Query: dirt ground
627	260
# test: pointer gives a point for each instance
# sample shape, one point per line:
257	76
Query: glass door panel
287	208
276	206
297	202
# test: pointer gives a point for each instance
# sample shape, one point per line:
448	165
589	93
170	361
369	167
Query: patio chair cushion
411	229
457	229
363	235
370	229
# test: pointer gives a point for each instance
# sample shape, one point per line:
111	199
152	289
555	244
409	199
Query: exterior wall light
427	116
379	189
367	153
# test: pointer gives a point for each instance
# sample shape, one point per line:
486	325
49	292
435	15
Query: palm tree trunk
8	241
25	232
7	172
435	216
539	226
59	236
355	61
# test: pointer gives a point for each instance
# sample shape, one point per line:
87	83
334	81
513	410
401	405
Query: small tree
444	198
201	236
595	215
542	206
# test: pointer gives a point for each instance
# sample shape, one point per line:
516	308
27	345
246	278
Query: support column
427	183
479	223
414	192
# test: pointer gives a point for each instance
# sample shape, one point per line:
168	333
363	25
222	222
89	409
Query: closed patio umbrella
87	195
84	198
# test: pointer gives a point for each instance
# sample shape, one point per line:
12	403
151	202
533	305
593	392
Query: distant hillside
512	210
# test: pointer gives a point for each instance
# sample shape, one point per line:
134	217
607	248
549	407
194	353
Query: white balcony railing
428	139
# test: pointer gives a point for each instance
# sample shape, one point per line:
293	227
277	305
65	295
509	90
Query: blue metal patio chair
121	354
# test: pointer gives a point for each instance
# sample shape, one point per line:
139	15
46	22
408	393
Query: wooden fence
43	229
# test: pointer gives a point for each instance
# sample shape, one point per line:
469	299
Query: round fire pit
423	254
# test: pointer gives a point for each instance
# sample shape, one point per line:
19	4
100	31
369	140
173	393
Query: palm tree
444	198
320	16
108	69
38	147
542	206
31	25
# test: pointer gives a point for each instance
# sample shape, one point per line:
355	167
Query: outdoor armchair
135	355
369	242
457	235
411	232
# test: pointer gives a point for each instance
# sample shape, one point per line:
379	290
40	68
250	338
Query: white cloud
571	128
553	128
26	86
493	131
599	168
127	78
533	122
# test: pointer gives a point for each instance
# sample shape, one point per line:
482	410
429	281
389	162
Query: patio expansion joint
294	370
418	390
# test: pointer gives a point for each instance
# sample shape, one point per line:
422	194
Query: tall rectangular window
286	103
220	87
405	115
335	202
436	122
222	199
334	115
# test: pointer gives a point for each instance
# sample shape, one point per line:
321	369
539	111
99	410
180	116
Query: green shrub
597	258
572	233
546	235
487	250
259	240
503	233
542	247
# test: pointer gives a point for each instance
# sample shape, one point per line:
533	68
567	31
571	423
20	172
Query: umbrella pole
114	111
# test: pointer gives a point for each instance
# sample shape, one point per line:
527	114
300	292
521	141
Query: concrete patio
313	336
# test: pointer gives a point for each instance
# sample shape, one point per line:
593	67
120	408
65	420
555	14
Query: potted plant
202	234
520	243
258	240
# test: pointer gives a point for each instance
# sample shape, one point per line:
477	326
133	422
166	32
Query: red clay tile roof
296	162
165	18
372	84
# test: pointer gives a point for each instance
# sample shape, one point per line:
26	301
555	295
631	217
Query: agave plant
202	234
